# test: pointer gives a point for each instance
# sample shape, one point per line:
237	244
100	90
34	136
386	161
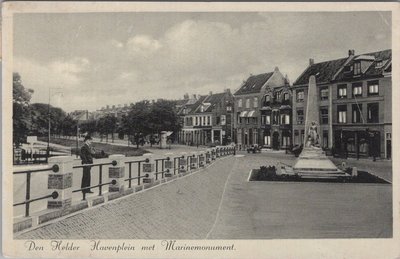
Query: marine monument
313	162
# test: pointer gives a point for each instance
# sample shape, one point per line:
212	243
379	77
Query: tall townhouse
263	111
354	95
209	120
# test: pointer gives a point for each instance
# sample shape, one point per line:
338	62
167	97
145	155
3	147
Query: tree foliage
21	111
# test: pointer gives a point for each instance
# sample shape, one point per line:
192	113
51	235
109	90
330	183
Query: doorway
275	141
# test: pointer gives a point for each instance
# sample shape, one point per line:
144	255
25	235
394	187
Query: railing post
148	168
213	153
193	160
208	156
183	163
169	164
202	159
60	181
117	172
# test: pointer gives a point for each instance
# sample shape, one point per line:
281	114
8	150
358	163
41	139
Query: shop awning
243	114
251	114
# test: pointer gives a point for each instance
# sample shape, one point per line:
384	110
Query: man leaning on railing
87	152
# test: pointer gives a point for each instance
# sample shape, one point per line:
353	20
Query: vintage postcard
200	130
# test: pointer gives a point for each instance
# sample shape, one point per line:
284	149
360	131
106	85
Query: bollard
169	165
354	172
208	156
60	182
193	160
182	163
117	172
202	158
148	168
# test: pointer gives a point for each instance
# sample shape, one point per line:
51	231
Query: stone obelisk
312	162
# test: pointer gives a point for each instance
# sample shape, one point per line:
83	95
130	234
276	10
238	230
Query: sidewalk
219	203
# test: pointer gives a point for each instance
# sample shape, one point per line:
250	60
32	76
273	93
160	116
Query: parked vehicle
254	148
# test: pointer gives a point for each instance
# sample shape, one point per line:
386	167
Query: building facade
355	103
263	111
208	121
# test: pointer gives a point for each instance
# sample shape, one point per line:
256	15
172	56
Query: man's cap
88	137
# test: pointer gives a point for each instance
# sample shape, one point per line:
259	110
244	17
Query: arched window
255	104
247	103
240	103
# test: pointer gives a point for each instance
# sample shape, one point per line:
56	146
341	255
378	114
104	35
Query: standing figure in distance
87	152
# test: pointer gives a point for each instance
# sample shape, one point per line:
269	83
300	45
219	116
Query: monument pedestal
313	163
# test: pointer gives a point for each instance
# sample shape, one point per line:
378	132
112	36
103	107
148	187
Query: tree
163	117
88	126
137	121
21	111
68	126
110	124
40	119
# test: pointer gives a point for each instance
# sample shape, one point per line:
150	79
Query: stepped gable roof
323	71
384	56
254	83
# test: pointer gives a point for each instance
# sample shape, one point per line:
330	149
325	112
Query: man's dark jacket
86	155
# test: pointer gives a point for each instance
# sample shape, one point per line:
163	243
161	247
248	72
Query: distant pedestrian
87	153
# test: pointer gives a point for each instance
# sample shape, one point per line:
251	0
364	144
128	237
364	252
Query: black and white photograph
206	130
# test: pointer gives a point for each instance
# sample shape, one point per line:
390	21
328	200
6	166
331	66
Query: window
379	64
255	102
240	103
324	117
218	120
357	68
197	121
324	94
263	120
357	113
357	89
228	108
296	137
223	120
373	112
342	91
208	120
300	116
202	108
267	100
342	113
255	120
285	119
278	96
286	96
268	119
247	120
247	103
300	95
373	88
267	140
275	117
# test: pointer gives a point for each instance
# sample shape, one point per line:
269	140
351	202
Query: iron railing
28	199
100	184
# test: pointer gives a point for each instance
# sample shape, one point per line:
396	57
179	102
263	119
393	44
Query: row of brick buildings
354	95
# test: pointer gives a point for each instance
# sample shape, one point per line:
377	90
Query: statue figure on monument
313	137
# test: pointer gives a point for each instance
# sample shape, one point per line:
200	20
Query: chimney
311	61
210	93
351	52
276	69
186	96
228	90
194	96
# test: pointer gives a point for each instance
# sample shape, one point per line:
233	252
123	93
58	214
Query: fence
147	170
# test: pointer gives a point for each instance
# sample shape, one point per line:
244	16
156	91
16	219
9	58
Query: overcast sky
116	58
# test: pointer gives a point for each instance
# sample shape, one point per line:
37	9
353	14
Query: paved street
219	203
